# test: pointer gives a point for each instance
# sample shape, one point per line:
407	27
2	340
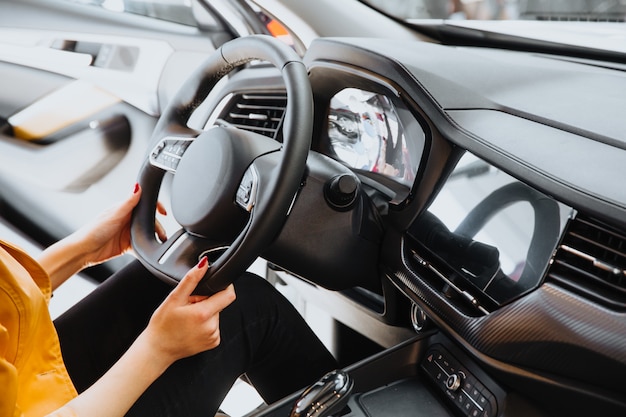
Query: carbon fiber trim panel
549	331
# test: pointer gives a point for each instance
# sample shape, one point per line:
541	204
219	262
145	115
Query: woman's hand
186	324
104	238
182	326
108	235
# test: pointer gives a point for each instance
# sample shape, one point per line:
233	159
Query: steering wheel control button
168	153
246	192
463	389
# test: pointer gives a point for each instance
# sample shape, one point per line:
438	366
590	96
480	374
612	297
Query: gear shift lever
325	397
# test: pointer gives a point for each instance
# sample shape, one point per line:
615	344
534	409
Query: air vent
260	113
591	260
445	281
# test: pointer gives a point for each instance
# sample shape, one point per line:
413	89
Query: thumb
218	301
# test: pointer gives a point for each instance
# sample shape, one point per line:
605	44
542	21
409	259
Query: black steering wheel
231	189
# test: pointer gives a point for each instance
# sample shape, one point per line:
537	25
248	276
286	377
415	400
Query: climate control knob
453	382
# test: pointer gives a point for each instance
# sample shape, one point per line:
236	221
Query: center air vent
591	261
257	112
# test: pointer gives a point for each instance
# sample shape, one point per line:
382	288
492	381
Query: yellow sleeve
8	379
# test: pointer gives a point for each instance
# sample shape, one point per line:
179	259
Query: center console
425	376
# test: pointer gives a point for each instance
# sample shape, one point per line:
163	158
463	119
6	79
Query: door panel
81	90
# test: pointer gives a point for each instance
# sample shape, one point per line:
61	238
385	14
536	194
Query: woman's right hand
186	324
181	326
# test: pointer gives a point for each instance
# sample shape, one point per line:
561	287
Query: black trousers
262	335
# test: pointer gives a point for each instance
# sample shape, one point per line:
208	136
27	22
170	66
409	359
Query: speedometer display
366	133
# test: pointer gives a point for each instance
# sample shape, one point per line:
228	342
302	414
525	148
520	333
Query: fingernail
203	262
136	188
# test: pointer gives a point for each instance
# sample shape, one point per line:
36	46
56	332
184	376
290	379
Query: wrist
76	249
159	357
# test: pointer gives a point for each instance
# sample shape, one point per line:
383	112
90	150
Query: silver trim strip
163	259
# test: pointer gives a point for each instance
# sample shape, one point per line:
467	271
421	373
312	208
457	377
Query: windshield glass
559	10
178	11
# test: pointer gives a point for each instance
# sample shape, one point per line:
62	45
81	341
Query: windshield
178	11
560	10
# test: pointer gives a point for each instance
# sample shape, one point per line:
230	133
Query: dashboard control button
419	319
341	191
451	395
459	385
453	382
475	392
487	411
439	376
468	384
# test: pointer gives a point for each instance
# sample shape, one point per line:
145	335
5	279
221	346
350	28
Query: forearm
114	393
62	260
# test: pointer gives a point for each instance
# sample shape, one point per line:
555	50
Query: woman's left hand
106	237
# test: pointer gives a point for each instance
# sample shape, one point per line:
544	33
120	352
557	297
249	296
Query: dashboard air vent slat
261	113
591	260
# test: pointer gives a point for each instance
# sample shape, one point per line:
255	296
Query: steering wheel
231	189
546	228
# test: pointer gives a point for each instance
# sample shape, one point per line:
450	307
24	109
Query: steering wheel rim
278	186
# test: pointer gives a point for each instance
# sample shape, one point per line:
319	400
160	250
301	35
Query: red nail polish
203	262
136	188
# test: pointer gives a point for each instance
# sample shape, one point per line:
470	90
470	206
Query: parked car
445	192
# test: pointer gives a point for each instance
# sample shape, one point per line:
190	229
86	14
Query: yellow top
33	377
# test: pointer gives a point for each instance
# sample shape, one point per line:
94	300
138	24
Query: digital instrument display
366	133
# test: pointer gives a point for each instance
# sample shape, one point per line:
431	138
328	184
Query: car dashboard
478	226
461	208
